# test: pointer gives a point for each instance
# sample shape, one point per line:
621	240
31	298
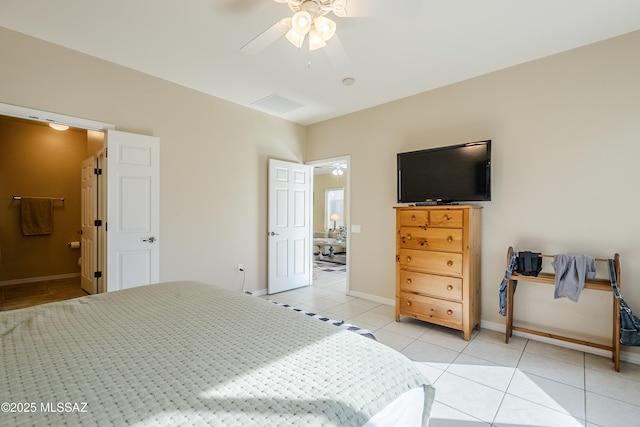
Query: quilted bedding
189	353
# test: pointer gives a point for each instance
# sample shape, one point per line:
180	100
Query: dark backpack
529	263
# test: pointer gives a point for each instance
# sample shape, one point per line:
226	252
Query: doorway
43	164
330	223
47	150
131	197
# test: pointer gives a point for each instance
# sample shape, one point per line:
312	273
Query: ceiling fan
338	169
310	21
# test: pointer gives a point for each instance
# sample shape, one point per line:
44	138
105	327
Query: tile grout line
506	390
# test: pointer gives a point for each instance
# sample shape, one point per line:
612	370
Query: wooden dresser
438	265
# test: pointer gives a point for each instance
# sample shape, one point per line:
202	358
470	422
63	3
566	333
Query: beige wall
320	184
565	128
36	160
566	152
213	153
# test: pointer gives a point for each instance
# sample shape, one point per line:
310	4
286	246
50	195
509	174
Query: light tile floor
485	382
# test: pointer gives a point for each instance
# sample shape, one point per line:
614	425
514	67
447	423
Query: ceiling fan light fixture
308	19
338	169
295	38
58	126
316	41
325	27
301	22
339	8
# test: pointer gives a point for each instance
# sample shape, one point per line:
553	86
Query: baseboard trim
39	279
374	298
256	293
626	356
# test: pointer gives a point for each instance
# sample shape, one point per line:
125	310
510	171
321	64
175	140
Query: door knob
150	239
273	234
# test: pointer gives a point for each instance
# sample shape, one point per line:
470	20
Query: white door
101	232
290	188
133	204
88	216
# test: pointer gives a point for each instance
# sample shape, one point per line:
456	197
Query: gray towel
571	272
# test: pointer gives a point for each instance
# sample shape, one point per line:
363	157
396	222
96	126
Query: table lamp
334	217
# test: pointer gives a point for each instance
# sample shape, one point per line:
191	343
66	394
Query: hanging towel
36	216
571	272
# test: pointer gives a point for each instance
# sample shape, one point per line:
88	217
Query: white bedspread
188	353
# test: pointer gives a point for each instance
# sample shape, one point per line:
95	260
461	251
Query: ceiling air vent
276	104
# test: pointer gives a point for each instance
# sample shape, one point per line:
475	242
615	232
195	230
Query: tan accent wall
36	160
565	133
95	142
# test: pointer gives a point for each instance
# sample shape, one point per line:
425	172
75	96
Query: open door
88	216
133	204
290	187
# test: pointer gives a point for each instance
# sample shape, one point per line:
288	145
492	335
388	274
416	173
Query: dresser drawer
417	218
433	239
430	284
446	218
442	312
431	262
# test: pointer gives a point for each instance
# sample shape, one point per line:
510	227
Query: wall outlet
240	267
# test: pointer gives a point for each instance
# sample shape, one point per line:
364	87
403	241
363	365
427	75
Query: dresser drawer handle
449	312
449	239
408	259
449	263
409	280
446	218
413	217
409	303
408	236
449	287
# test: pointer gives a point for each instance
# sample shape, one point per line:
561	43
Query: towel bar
29	197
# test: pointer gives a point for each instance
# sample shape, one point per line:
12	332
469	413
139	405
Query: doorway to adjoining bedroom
330	223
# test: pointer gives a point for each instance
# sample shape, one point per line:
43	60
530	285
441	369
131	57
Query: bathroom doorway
41	155
41	167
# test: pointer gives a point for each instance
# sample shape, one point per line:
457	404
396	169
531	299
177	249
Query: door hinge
97	222
97	171
97	274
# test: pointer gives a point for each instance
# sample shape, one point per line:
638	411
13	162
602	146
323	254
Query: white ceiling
196	43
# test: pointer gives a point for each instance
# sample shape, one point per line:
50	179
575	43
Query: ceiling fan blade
382	8
336	52
238	6
263	40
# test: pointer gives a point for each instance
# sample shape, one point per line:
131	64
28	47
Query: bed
190	353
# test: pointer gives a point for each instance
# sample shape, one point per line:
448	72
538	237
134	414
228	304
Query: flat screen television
457	173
